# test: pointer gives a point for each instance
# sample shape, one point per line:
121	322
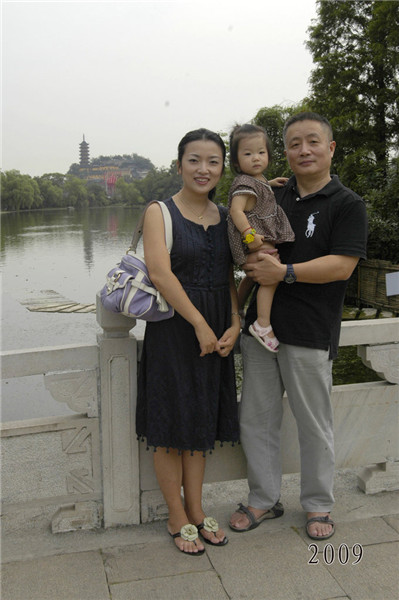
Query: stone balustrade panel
51	461
92	468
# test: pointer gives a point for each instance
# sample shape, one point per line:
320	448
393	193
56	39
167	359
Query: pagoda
84	154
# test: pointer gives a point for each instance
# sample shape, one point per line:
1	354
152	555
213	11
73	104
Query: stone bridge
87	470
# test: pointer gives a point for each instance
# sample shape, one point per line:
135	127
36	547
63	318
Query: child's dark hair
201	134
238	133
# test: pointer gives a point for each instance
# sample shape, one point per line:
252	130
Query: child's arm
278	182
239	203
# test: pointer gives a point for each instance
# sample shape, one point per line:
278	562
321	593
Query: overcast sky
134	77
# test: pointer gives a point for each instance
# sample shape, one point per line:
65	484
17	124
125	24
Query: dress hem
180	451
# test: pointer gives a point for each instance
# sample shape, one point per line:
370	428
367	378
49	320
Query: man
330	226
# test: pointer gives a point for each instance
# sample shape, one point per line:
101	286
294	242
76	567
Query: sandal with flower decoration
211	525
188	533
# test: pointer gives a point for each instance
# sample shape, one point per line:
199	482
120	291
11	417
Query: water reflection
54	251
67	251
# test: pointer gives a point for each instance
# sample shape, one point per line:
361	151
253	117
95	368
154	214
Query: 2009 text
343	554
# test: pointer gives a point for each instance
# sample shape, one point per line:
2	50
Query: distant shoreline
78	209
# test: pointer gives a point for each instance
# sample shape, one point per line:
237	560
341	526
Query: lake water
47	251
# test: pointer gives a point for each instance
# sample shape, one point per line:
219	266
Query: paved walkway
276	561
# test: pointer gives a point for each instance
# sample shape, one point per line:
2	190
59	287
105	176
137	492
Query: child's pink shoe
260	334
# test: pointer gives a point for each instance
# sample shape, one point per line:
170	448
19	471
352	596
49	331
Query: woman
187	396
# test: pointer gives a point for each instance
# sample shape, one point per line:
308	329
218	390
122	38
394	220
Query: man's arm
332	267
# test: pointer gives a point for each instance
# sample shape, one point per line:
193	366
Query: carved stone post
120	458
384	360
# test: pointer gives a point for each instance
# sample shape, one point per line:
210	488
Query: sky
134	77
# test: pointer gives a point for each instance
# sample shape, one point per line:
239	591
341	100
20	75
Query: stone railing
88	470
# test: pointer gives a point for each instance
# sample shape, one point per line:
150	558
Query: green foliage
383	212
127	193
383	198
76	192
349	368
96	195
51	193
75	170
19	192
355	83
383	239
160	184
222	189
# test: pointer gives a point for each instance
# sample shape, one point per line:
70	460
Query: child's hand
278	182
257	243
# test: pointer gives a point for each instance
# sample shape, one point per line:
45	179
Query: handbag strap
168	228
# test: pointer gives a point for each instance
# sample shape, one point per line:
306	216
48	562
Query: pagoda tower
84	154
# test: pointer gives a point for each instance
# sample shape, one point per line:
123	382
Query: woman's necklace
199	216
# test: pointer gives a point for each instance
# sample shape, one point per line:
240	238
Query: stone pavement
276	561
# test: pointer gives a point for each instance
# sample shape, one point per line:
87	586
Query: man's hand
266	271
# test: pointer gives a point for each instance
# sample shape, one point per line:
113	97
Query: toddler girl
255	220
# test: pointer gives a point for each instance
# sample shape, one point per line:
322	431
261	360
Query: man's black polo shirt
331	221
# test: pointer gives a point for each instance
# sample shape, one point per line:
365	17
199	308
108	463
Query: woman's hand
206	338
226	343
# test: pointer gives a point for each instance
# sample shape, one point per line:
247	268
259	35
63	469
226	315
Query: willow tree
355	84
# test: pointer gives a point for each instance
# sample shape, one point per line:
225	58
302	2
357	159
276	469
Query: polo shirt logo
311	225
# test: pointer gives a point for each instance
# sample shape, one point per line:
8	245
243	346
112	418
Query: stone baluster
118	382
384	360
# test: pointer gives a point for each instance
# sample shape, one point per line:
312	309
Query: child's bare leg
264	302
262	329
265	293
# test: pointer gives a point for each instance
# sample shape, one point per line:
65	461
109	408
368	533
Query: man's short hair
308	116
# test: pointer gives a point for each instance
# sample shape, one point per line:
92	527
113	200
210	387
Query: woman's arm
226	343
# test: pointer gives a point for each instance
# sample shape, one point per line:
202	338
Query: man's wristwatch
290	276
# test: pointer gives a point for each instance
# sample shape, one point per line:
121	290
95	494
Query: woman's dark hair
238	133
201	134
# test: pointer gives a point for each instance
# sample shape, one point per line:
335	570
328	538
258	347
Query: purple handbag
129	289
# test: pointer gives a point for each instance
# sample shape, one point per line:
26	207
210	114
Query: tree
52	193
76	192
19	192
355	84
127	193
96	195
75	170
383	213
160	184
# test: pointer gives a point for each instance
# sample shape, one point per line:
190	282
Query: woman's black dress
186	401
